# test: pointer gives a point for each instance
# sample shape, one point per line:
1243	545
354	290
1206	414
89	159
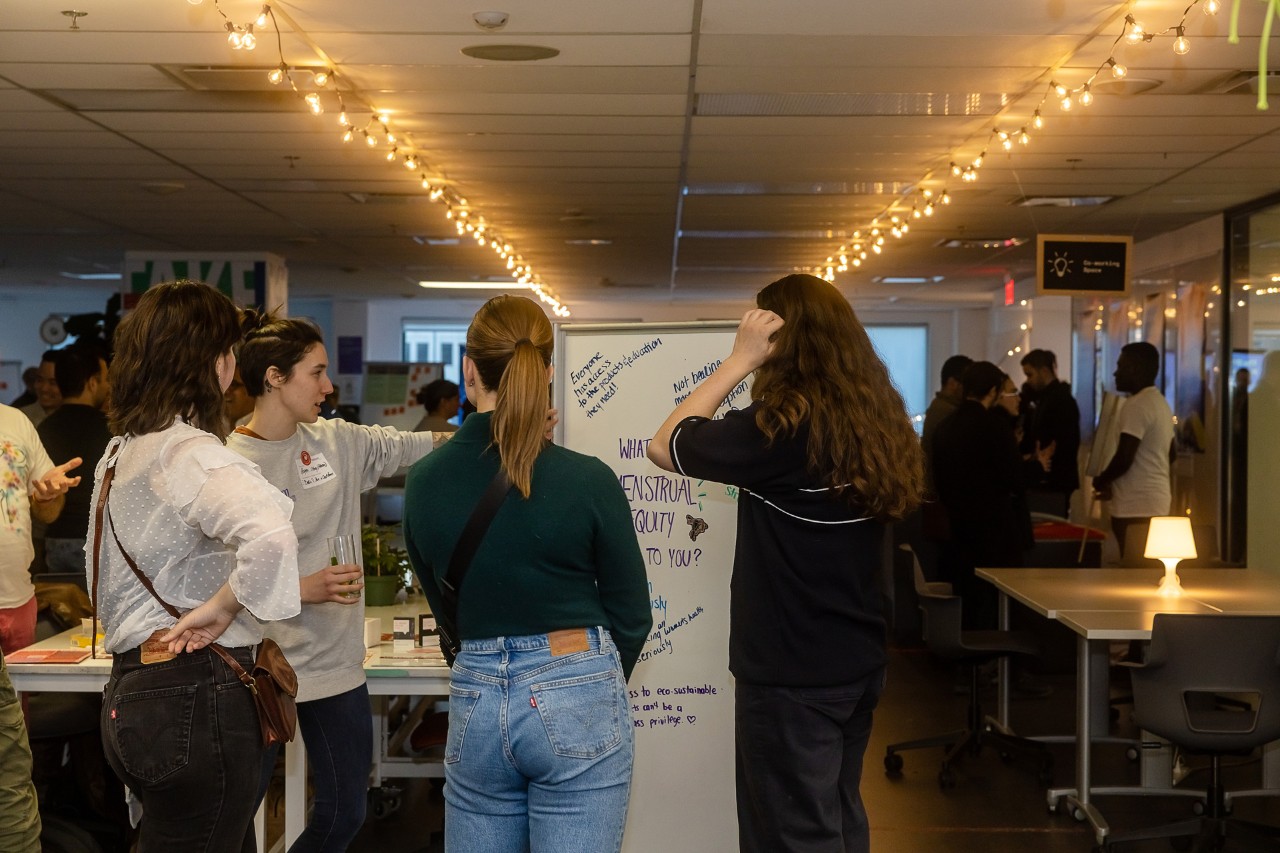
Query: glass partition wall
1251	419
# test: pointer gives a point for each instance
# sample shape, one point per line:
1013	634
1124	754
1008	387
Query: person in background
945	402
1052	423
440	400
214	540
824	456
48	397
236	402
19	808
28	395
31	488
1137	480
77	428
322	466
979	477
552	613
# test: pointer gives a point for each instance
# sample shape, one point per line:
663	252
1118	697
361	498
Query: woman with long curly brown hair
824	455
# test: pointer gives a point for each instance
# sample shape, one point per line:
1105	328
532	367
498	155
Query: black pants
183	736
799	764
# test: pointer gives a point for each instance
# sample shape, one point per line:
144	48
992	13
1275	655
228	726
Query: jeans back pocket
462	703
582	715
152	730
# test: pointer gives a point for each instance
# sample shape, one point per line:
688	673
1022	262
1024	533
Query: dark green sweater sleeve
621	579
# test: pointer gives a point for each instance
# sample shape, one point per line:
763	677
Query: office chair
1193	660
941	611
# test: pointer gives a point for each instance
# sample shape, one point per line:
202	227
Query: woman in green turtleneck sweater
552	613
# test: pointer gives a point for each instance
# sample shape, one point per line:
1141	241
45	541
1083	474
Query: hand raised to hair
754	342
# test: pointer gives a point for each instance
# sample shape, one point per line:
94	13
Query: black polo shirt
805	602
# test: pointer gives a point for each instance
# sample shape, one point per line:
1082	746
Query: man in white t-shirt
1137	479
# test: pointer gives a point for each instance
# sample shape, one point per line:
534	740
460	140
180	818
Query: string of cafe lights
377	131
869	240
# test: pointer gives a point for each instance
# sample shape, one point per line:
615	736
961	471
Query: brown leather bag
272	682
274	685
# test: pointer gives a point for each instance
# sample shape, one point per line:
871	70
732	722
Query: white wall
23	309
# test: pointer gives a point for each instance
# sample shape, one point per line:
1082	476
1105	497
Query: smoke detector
490	21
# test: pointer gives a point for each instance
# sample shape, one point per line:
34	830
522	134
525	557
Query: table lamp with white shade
1169	540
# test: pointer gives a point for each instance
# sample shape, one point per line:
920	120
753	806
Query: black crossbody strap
468	542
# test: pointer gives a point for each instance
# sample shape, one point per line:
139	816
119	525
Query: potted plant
386	565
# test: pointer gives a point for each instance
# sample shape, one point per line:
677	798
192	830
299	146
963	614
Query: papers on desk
385	655
22	656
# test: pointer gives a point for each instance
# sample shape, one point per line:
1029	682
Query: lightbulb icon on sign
1060	264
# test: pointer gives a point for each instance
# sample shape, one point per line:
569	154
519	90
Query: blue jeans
338	734
540	747
183	735
799	764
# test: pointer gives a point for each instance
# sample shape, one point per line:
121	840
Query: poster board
614	386
390	392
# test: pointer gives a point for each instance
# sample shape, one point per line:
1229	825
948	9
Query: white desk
1101	605
91	675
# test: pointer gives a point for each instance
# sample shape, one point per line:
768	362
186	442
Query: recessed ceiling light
1125	86
163	187
92	276
982	242
1063	200
589	242
470	285
907	279
510	52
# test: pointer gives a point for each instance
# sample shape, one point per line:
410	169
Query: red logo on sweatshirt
306	458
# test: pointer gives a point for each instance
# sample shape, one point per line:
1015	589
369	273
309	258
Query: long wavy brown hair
510	341
824	371
166	351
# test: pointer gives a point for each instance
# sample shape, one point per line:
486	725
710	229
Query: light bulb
928	209
1007	143
342	118
391	138
1211	7
946	197
1180	44
233	39
276	75
1066	103
261	20
1086	97
426	184
1136	33
391	155
857	262
346	137
1037	121
1118	71
384	117
1024	137
955	169
411	164
1059	89
915	213
876	248
370	139
977	161
321	78
248	41
313	101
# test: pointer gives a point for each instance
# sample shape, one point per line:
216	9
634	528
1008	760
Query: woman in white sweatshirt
322	466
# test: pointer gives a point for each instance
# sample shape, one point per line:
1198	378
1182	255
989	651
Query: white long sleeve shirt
193	515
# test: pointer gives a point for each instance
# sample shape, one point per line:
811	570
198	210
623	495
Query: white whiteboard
614	386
